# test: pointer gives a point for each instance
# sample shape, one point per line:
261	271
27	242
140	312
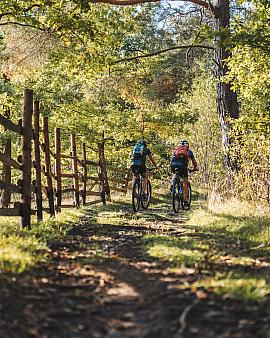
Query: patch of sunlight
233	218
202	217
112	217
178	251
123	290
238	208
243	287
21	249
17	253
239	260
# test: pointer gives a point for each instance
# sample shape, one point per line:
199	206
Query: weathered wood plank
38	189
58	167
117	180
26	158
93	193
67	175
118	189
10	125
75	170
67	190
93	202
9	161
84	178
50	194
67	156
10	212
93	178
93	163
66	206
10	187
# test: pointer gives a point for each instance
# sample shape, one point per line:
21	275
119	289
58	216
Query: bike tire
176	197
145	203
136	195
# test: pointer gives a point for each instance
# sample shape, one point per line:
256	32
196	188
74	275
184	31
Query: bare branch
201	3
21	24
23	10
160	52
124	2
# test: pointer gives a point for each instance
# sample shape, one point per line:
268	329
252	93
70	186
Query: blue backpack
138	152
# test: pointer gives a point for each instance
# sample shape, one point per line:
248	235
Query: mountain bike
177	193
138	198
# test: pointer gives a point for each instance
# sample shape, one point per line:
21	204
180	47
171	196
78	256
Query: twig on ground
182	319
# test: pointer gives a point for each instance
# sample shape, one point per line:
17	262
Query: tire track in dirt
101	283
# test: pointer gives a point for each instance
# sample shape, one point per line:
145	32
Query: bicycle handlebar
192	170
151	169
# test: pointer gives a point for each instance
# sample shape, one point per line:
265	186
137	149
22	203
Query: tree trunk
227	104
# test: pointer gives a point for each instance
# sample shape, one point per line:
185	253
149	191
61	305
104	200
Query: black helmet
184	143
143	142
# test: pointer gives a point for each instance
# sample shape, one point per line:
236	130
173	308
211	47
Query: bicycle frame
177	193
137	198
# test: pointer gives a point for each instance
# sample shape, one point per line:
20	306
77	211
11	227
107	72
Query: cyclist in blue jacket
138	161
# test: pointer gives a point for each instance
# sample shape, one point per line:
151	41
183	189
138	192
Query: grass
21	249
229	241
235	285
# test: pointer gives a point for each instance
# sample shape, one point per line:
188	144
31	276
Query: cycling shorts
138	167
181	165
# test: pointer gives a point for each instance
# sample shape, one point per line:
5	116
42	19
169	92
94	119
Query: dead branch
182	319
160	52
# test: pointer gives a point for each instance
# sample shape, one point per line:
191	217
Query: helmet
143	142
184	143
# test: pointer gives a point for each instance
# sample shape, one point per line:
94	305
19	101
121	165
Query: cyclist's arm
153	161
195	164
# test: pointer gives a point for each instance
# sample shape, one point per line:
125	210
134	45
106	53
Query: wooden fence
52	180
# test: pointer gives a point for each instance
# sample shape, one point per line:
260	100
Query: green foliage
22	249
235	285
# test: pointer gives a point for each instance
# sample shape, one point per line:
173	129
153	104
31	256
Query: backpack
138	151
181	151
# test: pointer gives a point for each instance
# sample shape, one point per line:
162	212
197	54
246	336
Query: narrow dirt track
101	283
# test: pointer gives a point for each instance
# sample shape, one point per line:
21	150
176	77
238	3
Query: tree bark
227	104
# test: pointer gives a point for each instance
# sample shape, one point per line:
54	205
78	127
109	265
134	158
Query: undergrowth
20	249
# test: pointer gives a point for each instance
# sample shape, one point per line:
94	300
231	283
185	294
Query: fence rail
75	176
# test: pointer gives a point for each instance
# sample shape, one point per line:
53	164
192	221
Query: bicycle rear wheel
146	201
136	195
184	205
176	197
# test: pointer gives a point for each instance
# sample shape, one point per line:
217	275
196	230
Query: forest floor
151	274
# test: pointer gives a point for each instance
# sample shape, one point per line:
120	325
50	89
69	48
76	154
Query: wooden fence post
127	178
48	165
75	171
38	189
103	169
6	194
58	172
26	158
84	174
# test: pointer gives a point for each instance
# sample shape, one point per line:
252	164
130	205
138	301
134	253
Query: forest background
75	56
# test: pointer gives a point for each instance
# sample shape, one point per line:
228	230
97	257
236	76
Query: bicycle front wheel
176	197
136	195
146	199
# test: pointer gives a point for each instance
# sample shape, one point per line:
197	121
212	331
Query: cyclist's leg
185	189
144	177
135	171
173	176
183	171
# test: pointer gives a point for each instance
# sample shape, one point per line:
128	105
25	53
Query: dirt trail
100	282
